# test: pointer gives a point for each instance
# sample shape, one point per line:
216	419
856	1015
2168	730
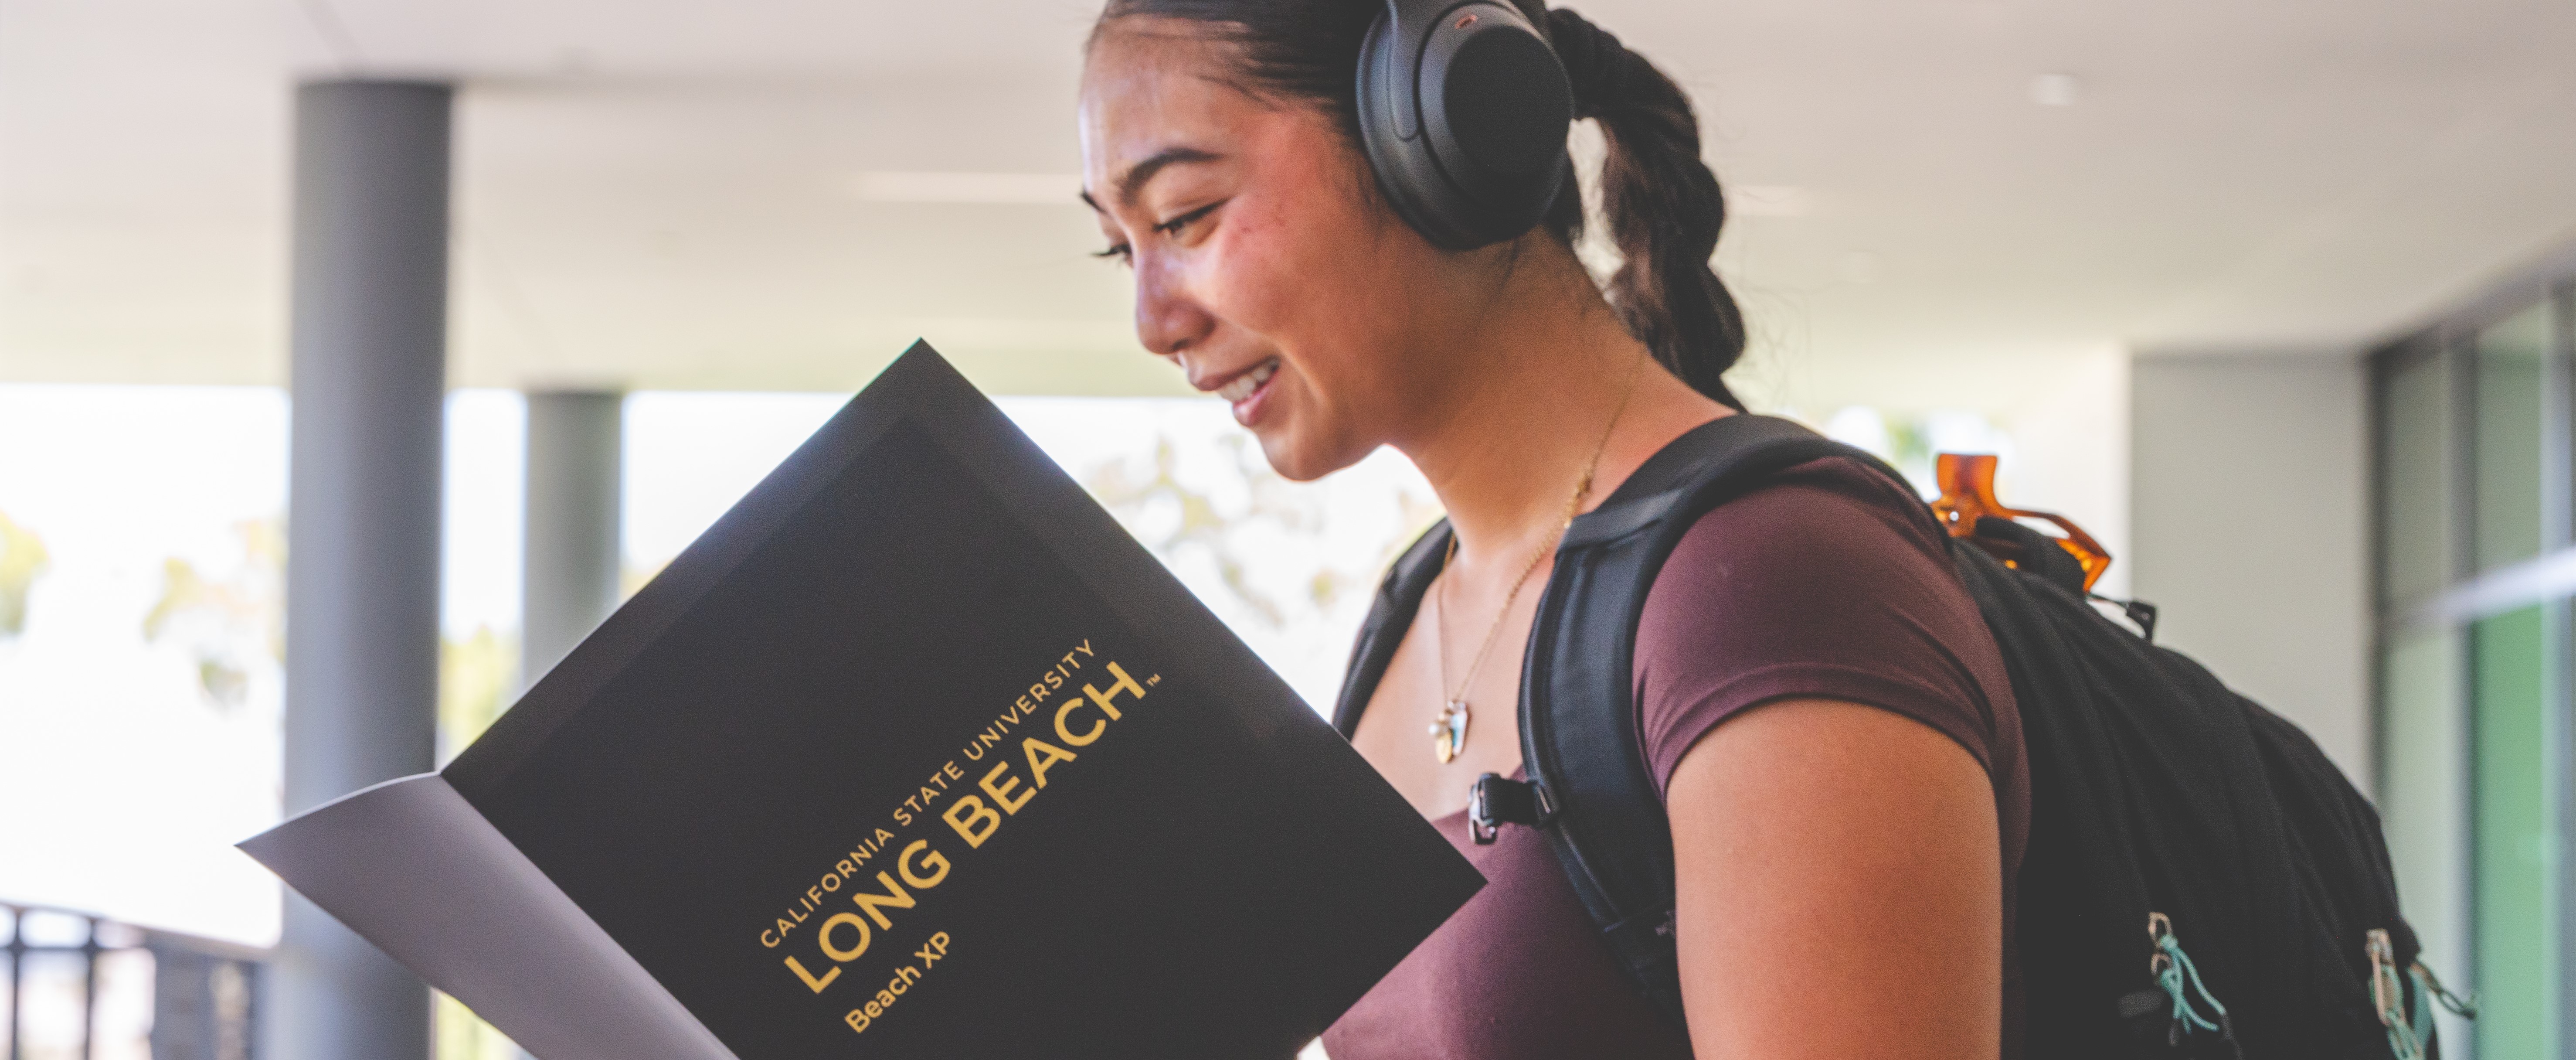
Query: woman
1840	756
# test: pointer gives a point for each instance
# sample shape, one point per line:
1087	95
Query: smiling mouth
1249	383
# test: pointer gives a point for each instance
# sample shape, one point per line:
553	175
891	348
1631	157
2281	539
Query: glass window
2423	797
2476	754
2516	679
2512	406
2416	454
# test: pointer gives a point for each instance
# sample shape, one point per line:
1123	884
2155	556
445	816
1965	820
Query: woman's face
1265	267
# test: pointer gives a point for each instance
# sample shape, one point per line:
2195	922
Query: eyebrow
1133	181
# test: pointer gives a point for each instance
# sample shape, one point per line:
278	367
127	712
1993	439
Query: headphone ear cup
1463	113
1391	132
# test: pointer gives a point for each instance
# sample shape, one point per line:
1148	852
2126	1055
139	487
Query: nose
1169	319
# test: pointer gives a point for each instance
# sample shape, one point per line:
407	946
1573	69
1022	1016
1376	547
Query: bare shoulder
1842	849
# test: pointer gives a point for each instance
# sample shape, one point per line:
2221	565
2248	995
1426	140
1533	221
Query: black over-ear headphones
1464	110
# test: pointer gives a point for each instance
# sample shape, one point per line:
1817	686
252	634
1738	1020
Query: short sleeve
1832	582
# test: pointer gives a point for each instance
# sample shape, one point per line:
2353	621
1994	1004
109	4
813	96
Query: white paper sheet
409	865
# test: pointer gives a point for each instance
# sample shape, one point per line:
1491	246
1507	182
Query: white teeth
1243	385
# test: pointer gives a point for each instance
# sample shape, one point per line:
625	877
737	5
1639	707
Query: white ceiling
665	194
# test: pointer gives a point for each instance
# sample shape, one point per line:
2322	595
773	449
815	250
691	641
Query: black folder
914	753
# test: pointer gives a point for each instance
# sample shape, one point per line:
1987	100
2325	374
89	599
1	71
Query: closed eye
1174	226
1169	229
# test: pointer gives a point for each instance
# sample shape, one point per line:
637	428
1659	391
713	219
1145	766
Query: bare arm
1840	888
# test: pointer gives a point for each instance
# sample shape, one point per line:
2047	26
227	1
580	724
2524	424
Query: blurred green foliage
22	558
462	1035
230	621
475	678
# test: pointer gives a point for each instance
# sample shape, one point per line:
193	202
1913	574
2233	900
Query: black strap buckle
1497	800
2139	612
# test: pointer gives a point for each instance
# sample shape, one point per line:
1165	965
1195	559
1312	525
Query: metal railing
78	985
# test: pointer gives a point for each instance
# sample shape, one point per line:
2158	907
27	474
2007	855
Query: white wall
2249	517
2070	454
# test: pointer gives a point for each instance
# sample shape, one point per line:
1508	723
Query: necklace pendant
1449	731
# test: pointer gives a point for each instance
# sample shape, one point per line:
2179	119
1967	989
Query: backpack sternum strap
1497	800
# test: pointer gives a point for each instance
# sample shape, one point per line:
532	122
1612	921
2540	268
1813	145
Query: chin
1289	459
1302	459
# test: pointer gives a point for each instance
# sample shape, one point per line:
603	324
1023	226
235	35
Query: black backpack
2200	880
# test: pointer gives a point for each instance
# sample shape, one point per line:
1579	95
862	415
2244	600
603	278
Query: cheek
1251	273
1298	282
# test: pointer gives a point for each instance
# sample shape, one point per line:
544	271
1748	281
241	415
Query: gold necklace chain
1449	728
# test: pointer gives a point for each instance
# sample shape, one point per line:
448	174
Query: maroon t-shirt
1831	582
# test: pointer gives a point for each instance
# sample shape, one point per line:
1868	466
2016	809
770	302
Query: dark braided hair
1662	204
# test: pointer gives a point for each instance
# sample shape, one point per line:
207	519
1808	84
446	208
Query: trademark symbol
1154	680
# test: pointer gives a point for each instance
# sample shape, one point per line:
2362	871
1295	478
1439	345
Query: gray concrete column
569	583
369	384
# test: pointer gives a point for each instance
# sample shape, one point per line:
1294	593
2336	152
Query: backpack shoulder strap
1594	792
1399	595
1398	598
